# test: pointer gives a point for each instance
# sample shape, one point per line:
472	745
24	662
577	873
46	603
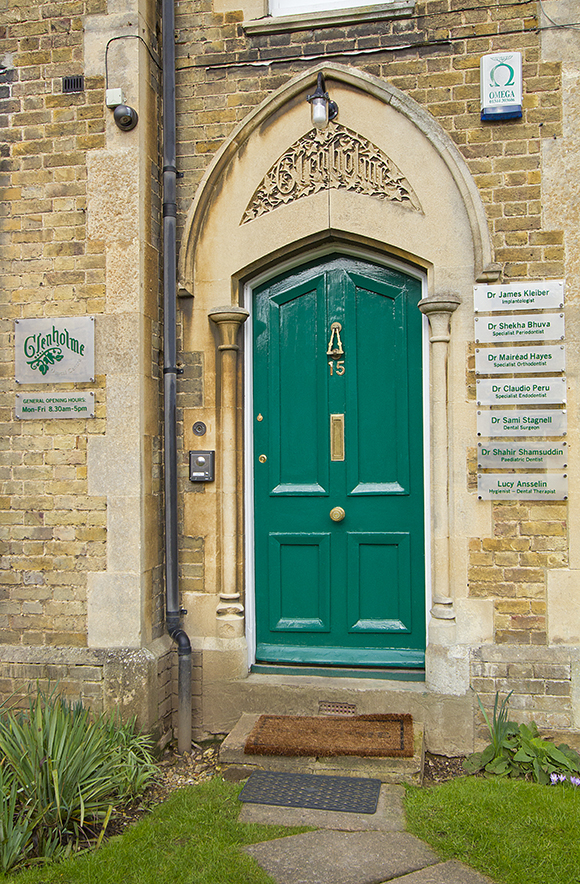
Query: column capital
439	304
228	320
438	308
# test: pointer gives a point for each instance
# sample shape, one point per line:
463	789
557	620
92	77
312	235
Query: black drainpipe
172	606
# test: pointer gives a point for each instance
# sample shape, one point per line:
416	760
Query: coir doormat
382	735
345	794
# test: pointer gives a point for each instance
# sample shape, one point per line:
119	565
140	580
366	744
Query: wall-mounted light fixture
323	109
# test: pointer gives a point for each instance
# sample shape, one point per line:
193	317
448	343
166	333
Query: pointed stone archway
257	212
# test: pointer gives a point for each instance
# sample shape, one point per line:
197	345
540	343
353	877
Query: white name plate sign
54	351
501	360
542	295
526	486
536	455
548	391
542	326
32	406
553	422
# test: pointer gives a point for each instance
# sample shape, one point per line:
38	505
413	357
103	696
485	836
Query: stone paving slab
330	857
389	815
451	872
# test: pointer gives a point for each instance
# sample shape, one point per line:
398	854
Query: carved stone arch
429	215
286	98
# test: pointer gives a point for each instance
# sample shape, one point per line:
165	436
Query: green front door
338	427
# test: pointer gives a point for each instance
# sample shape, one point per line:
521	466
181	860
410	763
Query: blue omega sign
501	86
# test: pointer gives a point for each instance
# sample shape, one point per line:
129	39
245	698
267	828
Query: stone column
438	309
230	610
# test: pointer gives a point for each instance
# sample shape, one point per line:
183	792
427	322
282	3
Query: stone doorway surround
433	220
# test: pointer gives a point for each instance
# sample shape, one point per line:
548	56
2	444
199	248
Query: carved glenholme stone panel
334	157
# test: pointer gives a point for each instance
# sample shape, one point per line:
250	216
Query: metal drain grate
346	794
73	84
325	708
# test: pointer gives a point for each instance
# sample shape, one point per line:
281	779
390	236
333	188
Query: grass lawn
192	838
511	830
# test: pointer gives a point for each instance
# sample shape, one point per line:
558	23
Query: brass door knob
337	514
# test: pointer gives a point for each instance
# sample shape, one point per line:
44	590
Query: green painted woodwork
348	593
340	672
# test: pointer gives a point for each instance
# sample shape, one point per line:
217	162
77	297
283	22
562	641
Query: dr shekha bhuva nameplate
540	327
543	422
528	486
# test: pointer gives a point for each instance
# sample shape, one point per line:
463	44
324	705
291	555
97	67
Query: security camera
125	117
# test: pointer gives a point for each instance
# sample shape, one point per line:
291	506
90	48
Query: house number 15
337	367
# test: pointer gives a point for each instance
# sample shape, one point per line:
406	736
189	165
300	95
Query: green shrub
16	824
62	771
518	750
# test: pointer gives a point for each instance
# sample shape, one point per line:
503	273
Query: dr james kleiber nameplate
539	295
543	326
522	423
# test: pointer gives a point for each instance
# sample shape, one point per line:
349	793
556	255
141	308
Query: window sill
312	20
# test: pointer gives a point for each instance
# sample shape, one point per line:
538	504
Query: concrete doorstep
387	770
350	848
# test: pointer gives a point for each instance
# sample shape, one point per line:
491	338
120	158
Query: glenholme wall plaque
54	351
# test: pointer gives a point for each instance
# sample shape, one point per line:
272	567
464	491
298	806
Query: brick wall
218	86
52	533
541	680
510	567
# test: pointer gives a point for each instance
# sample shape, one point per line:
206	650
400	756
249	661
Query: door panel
295	320
338	344
379	576
304	604
379	463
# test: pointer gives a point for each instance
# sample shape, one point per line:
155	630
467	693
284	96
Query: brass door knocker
336	351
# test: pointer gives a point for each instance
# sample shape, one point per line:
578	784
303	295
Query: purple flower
575	781
554	778
562	777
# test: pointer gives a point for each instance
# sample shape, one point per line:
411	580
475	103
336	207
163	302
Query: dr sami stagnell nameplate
522	423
